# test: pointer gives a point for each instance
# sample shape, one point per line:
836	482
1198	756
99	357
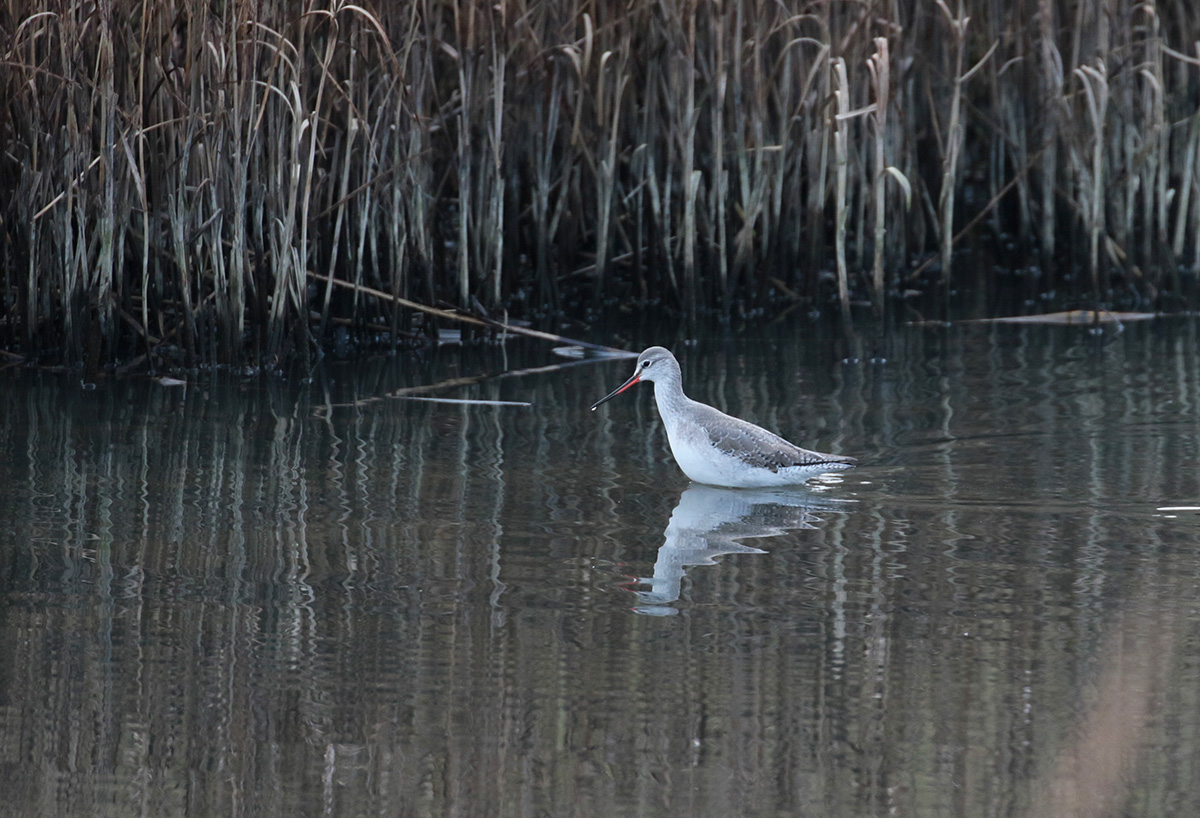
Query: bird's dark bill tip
617	391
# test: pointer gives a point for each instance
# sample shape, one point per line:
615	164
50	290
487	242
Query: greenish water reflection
243	599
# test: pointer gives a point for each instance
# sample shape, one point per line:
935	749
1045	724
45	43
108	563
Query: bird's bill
636	377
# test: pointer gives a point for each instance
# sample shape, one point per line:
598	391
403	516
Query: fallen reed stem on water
463	318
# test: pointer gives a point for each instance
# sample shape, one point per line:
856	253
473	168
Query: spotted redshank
714	448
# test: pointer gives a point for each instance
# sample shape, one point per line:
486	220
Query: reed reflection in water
226	598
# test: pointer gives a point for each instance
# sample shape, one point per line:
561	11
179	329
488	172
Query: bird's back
713	447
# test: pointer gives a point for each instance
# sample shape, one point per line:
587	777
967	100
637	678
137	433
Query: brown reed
173	174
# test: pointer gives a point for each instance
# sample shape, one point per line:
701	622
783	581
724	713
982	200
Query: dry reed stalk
72	218
396	220
368	132
1189	182
1050	114
689	175
955	134
1095	86
410	218
464	56
247	97
578	152
544	137
1192	180
338	220
284	180
1193	183
880	68
180	189
1010	137
496	134
608	117
1157	149
841	121
178	211
660	206
819	83
637	169
109	241
720	183
787	157
954	137
310	132
756	181
1126	146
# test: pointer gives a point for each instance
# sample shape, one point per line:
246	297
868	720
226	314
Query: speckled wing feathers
758	448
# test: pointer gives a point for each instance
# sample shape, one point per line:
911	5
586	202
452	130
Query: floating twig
465	401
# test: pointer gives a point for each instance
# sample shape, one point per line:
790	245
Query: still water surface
249	598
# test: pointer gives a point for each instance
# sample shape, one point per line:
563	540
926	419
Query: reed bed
173	174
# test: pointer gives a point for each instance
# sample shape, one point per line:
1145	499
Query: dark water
237	598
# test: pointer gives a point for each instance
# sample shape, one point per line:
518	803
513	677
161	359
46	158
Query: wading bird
714	448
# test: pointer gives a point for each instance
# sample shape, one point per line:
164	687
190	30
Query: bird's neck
669	394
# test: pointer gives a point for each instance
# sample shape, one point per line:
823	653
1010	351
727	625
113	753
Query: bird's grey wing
758	448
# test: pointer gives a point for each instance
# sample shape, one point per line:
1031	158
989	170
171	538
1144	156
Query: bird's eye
645	364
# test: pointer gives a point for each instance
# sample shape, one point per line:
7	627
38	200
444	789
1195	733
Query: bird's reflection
709	522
